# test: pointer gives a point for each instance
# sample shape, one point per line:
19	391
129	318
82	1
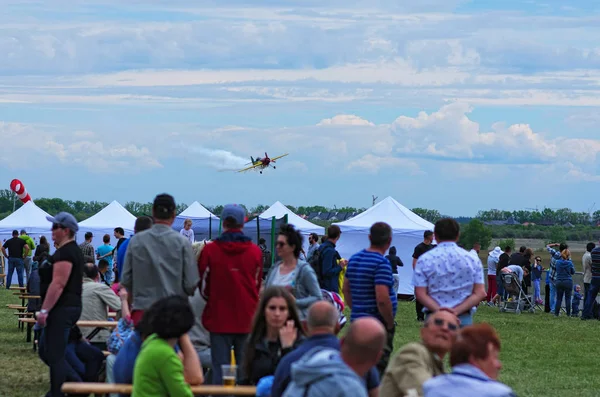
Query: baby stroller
520	302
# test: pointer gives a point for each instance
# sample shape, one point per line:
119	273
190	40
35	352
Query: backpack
315	263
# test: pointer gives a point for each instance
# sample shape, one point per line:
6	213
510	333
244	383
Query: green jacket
409	369
158	371
29	242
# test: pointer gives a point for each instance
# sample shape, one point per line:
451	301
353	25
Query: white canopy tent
407	229
104	222
29	217
204	223
278	211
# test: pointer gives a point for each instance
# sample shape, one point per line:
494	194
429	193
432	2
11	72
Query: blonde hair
565	254
187	222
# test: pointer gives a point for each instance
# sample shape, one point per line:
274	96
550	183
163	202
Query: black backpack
315	263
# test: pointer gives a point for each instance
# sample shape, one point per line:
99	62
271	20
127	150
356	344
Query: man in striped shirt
369	286
588	313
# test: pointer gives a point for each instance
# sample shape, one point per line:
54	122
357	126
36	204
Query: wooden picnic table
97	325
107	388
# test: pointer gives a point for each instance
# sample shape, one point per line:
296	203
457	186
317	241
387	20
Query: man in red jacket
231	276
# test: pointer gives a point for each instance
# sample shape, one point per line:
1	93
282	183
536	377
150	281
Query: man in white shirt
449	277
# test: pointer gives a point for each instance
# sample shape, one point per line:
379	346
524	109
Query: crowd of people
187	310
559	283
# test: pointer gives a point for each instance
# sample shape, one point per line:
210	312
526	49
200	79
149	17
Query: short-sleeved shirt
518	270
188	234
71	295
449	273
421	249
15	247
365	270
105	249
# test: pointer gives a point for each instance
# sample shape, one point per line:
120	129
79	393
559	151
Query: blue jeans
220	353
536	290
564	287
589	301
53	344
552	295
12	264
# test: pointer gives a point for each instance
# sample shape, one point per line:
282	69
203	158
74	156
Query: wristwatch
44	311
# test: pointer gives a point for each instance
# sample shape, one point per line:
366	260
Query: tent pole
220	225
257	229
210	227
273	226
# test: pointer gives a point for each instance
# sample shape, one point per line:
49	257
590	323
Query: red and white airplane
262	163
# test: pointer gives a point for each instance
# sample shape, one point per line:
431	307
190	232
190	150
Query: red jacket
231	274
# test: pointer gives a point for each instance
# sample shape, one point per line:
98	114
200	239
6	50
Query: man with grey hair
417	362
323	326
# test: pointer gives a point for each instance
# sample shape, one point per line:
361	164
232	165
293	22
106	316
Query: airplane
262	163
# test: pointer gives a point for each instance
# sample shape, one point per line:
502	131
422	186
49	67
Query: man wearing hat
231	272
60	289
492	264
159	262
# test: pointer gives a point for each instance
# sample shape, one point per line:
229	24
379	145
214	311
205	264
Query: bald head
322	315
364	342
90	271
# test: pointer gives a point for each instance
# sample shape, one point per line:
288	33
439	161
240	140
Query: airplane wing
249	168
278	157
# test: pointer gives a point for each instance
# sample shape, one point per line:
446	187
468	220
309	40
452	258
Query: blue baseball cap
234	211
65	219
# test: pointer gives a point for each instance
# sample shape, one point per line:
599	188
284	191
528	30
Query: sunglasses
440	323
56	226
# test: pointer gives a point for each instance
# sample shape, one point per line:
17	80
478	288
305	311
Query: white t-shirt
284	280
189	234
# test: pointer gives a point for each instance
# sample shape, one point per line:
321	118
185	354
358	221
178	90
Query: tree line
473	229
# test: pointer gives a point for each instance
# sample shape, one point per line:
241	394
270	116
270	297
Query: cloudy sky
448	104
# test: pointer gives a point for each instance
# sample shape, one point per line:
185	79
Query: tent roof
111	216
197	211
279	210
29	217
389	211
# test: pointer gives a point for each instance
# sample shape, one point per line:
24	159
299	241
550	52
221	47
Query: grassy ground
542	355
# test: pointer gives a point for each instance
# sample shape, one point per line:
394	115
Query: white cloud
372	164
27	145
345	119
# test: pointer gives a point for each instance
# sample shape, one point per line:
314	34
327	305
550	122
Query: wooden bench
107	388
97	325
16	307
18	288
25	296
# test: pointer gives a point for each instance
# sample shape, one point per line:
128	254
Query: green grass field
542	355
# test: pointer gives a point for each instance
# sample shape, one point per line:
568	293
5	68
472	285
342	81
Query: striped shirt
596	265
366	270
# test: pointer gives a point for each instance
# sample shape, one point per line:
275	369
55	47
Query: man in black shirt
17	251
420	249
61	278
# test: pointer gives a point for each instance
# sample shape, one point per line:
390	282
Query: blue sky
454	105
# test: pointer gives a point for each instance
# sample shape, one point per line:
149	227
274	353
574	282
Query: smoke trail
222	160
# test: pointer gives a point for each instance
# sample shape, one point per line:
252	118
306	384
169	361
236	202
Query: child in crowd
536	278
158	369
576	300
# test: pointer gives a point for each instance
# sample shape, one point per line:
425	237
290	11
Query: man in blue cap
231	273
